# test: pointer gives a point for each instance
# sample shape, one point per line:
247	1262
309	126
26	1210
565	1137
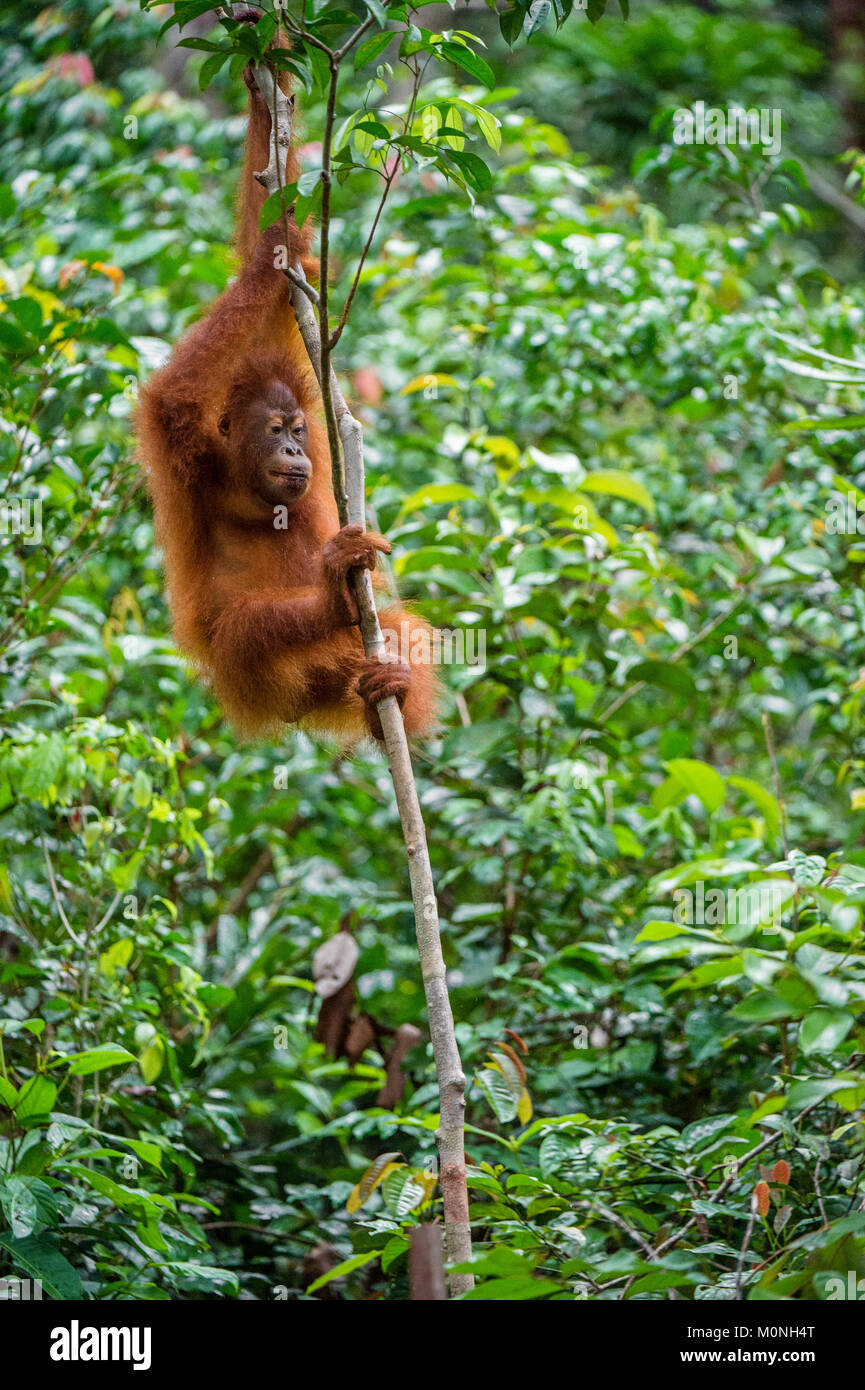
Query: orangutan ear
223	424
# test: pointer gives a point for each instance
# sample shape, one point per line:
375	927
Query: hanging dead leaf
361	1035
334	1018
406	1037
333	963
518	1040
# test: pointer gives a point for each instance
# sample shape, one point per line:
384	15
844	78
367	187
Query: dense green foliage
612	420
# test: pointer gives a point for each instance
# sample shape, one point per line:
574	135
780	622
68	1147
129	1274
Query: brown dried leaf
333	1020
407	1037
361	1035
68	272
518	1040
333	963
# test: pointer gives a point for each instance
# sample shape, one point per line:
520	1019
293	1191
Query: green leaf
511	24
823	1030
661	1279
11	336
41	1259
27	312
536	17
36	1097
117	957
96	1059
763	1006
431	380
699	779
376	8
803	1093
42	767
402	1192
320	66
149	1153
477	173
205	45
346	1267
665	674
499	1094
395	1248
489	127
517	1289
152	1059
273	205
697	869
469	61
210	67
763	799
124	875
659	931
372	49
615	482
142	788
825	422
435	494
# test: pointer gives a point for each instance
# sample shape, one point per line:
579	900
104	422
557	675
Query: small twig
617	1220
740	1267
770	746
819	1192
112	907
827	192
300	282
79	941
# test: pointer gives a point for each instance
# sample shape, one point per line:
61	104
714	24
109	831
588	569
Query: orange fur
262	611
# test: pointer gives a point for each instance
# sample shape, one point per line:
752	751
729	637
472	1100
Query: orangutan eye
276	427
298	431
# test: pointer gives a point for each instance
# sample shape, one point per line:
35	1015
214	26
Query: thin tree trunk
351	504
425	1266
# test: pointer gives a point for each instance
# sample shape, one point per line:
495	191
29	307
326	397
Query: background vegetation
612	404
